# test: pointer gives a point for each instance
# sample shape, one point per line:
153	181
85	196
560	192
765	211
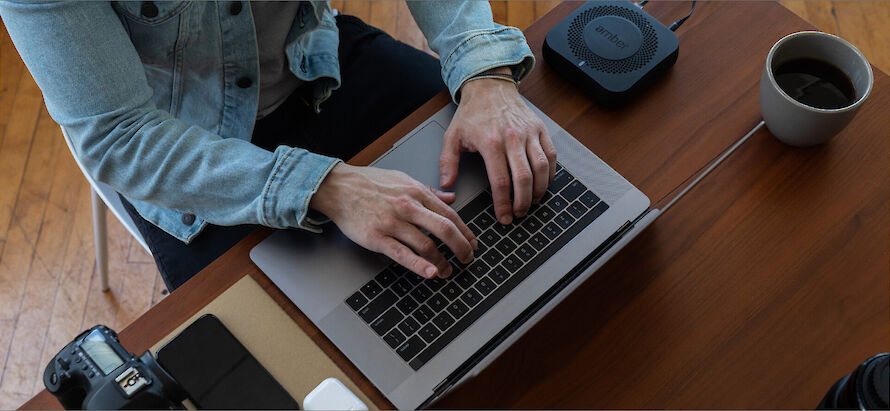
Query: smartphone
217	371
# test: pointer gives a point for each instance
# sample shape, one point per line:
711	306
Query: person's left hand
493	120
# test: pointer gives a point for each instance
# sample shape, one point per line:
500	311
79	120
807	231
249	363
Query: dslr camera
95	372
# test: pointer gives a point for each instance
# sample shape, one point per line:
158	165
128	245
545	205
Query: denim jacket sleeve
468	41
95	85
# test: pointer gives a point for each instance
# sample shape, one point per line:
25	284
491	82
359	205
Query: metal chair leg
100	238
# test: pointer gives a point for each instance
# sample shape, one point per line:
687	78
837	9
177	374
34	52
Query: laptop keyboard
417	317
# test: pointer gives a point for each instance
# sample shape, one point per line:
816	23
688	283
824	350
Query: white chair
103	196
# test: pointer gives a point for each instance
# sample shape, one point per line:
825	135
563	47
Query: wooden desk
765	284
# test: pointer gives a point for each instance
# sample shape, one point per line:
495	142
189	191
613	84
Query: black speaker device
611	49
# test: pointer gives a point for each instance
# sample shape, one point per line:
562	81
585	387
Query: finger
403	255
499	177
444	229
423	246
522	177
445	196
449	160
442	209
540	168
549	151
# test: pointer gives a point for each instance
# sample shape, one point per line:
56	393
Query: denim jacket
160	98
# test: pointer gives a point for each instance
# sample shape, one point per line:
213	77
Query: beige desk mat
273	338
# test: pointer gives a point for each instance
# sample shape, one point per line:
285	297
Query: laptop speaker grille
635	62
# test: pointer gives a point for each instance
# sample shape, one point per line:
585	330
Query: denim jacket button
244	82
188	218
236	8
149	10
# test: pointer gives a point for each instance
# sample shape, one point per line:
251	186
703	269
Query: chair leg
100	237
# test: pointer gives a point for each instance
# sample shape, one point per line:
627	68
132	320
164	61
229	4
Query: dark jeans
383	80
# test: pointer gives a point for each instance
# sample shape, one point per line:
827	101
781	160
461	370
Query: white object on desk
331	394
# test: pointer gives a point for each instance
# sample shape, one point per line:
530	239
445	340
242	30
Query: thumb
449	161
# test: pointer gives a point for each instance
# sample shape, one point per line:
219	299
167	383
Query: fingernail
430	272
474	243
443	179
506	219
447	272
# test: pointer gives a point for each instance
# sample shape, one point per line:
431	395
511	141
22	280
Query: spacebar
505	288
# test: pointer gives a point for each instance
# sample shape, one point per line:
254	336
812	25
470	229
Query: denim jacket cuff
296	178
484	50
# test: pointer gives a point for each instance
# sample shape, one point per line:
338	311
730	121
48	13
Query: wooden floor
48	284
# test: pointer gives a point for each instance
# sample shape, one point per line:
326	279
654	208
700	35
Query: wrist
325	198
474	86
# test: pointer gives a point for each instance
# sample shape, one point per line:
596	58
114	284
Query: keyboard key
526	252
386	277
397	269
573	190
475	229
471	297
445	251
371	289
457	265
544	213
489	237
451	291
437	302
531	224
402	286
429	333
485	286
576	209
423	314
457	309
557	203
356	301
407	304
385	322
434	284
589	199
564	220
475	206
551	230
478	269
394	338
484	220
502	229
512	263
492	257
377	306
560	180
421	293
600	208
443	321
480	249
413	279
519	235
409	326
410	348
499	274
539	241
505	246
465	279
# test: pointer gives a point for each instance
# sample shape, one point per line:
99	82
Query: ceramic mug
798	124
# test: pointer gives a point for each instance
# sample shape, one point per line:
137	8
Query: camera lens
866	388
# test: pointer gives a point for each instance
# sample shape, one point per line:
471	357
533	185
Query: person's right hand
384	211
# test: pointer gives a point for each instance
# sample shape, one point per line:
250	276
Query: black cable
675	25
642	3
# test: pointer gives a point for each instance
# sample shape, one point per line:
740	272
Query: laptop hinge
455	376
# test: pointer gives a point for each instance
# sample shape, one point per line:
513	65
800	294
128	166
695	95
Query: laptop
414	338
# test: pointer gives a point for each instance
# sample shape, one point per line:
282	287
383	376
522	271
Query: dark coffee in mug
816	83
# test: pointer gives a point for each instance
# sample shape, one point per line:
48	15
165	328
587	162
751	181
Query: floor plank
11	68
16	145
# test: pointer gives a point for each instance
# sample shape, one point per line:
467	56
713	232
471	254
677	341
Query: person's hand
384	211
493	120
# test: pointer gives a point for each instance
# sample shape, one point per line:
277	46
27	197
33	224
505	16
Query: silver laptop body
318	272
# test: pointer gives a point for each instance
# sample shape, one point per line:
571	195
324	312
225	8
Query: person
210	118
